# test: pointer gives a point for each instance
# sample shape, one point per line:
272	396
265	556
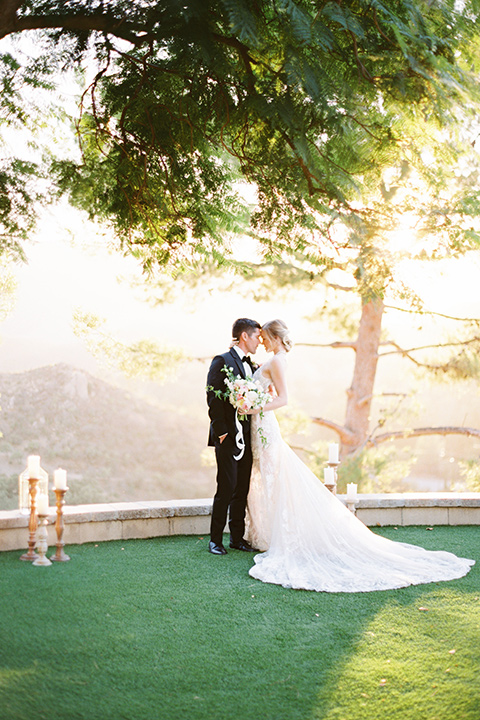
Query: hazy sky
69	266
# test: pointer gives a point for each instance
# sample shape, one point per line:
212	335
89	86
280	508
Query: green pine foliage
309	101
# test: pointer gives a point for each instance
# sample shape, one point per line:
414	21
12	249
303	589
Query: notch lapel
237	363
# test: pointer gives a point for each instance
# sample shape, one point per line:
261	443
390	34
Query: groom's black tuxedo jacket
222	412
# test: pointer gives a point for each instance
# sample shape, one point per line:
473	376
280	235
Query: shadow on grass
159	628
417	656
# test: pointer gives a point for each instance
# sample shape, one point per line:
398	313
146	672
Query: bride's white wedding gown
312	541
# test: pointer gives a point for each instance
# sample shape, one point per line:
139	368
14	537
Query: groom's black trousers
233	482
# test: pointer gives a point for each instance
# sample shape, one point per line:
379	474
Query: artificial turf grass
159	628
436	679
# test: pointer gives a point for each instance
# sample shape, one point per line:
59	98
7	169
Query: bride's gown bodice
312	541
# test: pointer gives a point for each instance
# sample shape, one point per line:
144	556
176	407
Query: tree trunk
8	16
360	393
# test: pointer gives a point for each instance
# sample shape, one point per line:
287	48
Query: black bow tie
248	359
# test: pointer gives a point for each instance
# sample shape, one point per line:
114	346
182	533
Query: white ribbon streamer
239	440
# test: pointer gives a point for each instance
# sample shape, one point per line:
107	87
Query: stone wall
125	521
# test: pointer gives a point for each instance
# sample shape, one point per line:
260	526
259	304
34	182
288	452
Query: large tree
438	213
438	220
314	103
308	100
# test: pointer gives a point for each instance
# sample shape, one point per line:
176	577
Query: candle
60	479
333	453
33	466
351	492
329	475
42	504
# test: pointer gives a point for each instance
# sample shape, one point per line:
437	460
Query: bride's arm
278	375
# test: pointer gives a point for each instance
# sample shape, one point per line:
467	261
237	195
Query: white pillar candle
333	453
351	491
33	466
60	479
42	504
329	475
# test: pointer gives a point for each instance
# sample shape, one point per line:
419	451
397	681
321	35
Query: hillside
114	446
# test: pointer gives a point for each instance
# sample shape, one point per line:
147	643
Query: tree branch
344	288
431	312
417	432
406	353
347	344
8	15
244	54
362	125
135	33
306	172
360	66
345	435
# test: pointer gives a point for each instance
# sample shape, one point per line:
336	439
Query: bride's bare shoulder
279	360
276	363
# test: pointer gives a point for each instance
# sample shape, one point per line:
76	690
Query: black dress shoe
216	549
243	545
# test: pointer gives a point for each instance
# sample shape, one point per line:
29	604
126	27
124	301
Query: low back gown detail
311	540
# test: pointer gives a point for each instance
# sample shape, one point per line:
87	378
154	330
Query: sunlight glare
449	285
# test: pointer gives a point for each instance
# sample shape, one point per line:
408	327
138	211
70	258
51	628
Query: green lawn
148	629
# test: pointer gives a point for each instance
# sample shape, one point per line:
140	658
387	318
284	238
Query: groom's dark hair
244	325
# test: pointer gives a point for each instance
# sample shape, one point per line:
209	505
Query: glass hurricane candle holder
33	470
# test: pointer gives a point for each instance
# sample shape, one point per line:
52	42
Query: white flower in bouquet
245	394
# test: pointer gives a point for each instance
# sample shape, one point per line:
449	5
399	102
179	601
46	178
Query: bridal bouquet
245	394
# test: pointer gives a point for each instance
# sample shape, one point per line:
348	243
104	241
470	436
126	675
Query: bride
312	541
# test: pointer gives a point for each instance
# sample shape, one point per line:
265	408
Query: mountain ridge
114	444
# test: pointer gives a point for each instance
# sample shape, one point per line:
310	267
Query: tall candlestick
333	453
32	523
60	555
60	479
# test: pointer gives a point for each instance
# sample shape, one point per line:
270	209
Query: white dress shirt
246	366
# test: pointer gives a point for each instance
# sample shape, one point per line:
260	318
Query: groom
232	443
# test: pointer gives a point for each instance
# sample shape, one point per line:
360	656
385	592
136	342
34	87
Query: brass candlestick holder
60	554
332	486
32	523
42	542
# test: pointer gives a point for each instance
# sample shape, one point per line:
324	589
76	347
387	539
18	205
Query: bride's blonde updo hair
277	330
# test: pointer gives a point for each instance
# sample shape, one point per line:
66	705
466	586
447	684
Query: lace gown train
312	541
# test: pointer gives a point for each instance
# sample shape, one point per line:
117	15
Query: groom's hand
222	437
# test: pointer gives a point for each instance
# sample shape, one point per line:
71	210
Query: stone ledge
391	500
124	520
102	512
112	521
